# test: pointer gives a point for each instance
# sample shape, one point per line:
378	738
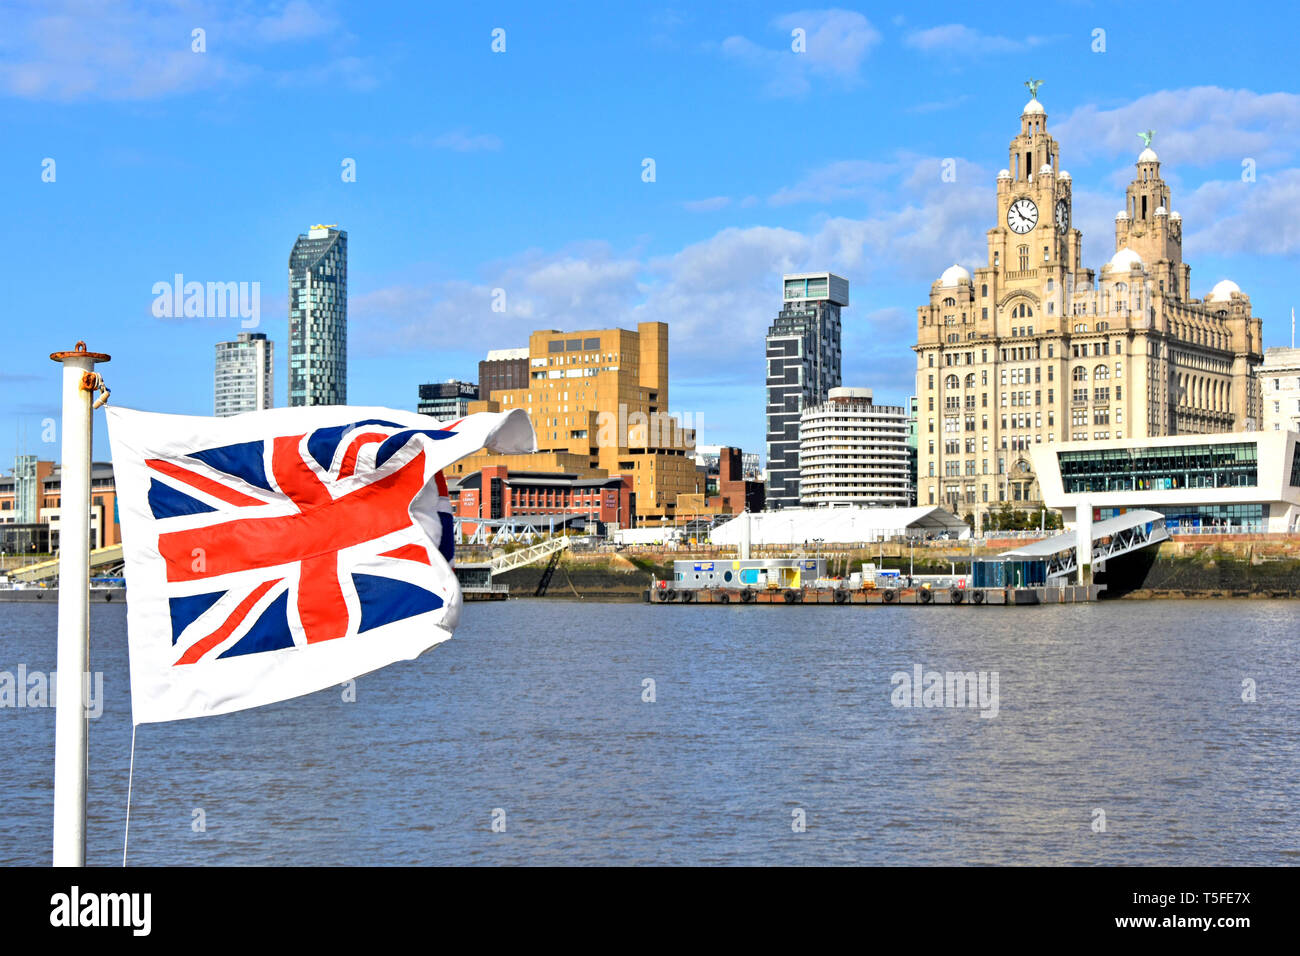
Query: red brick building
737	493
497	492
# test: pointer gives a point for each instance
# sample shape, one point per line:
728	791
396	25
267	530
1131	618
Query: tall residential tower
244	378
803	365
318	318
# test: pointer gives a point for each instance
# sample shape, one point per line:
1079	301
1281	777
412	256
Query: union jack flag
276	553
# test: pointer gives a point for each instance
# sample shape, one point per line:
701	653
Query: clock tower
1034	238
1033	349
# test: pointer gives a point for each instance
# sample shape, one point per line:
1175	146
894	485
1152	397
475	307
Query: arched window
970	380
950	382
1101	371
1080	374
984	290
950	301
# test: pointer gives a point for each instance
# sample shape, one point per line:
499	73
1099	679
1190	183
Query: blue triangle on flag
270	632
186	610
243	460
385	600
166	502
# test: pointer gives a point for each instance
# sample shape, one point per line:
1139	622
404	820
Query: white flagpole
79	384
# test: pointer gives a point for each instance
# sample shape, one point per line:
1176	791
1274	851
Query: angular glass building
803	365
318	318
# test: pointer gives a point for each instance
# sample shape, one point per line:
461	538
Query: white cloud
1239	218
836	44
712	204
1194	127
297	20
720	291
835	182
958	39
64	50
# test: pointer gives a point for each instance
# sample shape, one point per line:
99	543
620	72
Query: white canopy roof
794	526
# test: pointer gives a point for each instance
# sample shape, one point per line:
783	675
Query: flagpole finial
79	352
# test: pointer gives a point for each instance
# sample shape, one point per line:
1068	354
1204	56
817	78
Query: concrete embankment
1187	567
1192	568
605	577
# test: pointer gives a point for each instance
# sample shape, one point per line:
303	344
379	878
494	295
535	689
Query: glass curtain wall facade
1233	465
318	318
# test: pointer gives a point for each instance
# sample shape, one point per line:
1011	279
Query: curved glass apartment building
853	452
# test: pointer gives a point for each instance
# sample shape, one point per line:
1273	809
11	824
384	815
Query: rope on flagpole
130	778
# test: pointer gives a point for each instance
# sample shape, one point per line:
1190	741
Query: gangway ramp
1111	538
100	559
517	559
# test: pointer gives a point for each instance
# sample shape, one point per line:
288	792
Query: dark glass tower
318	318
803	365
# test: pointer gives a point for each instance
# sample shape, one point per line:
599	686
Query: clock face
1022	216
1062	215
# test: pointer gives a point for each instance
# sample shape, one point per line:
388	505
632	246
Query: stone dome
1004	174
1063	175
1176	216
1121	215
1147	155
1033	106
952	275
1222	291
1161	211
1123	261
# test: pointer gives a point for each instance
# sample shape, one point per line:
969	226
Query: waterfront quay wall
1198	565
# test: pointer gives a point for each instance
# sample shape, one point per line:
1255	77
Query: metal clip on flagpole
80	381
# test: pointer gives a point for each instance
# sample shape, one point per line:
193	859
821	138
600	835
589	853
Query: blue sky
522	170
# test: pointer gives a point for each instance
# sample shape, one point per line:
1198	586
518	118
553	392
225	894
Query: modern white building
1279	380
853	452
809	527
244	379
1243	480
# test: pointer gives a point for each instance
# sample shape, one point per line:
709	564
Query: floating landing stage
968	597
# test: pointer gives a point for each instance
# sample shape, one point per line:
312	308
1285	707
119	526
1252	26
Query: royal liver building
1034	348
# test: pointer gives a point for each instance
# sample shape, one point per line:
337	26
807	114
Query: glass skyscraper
803	365
318	318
